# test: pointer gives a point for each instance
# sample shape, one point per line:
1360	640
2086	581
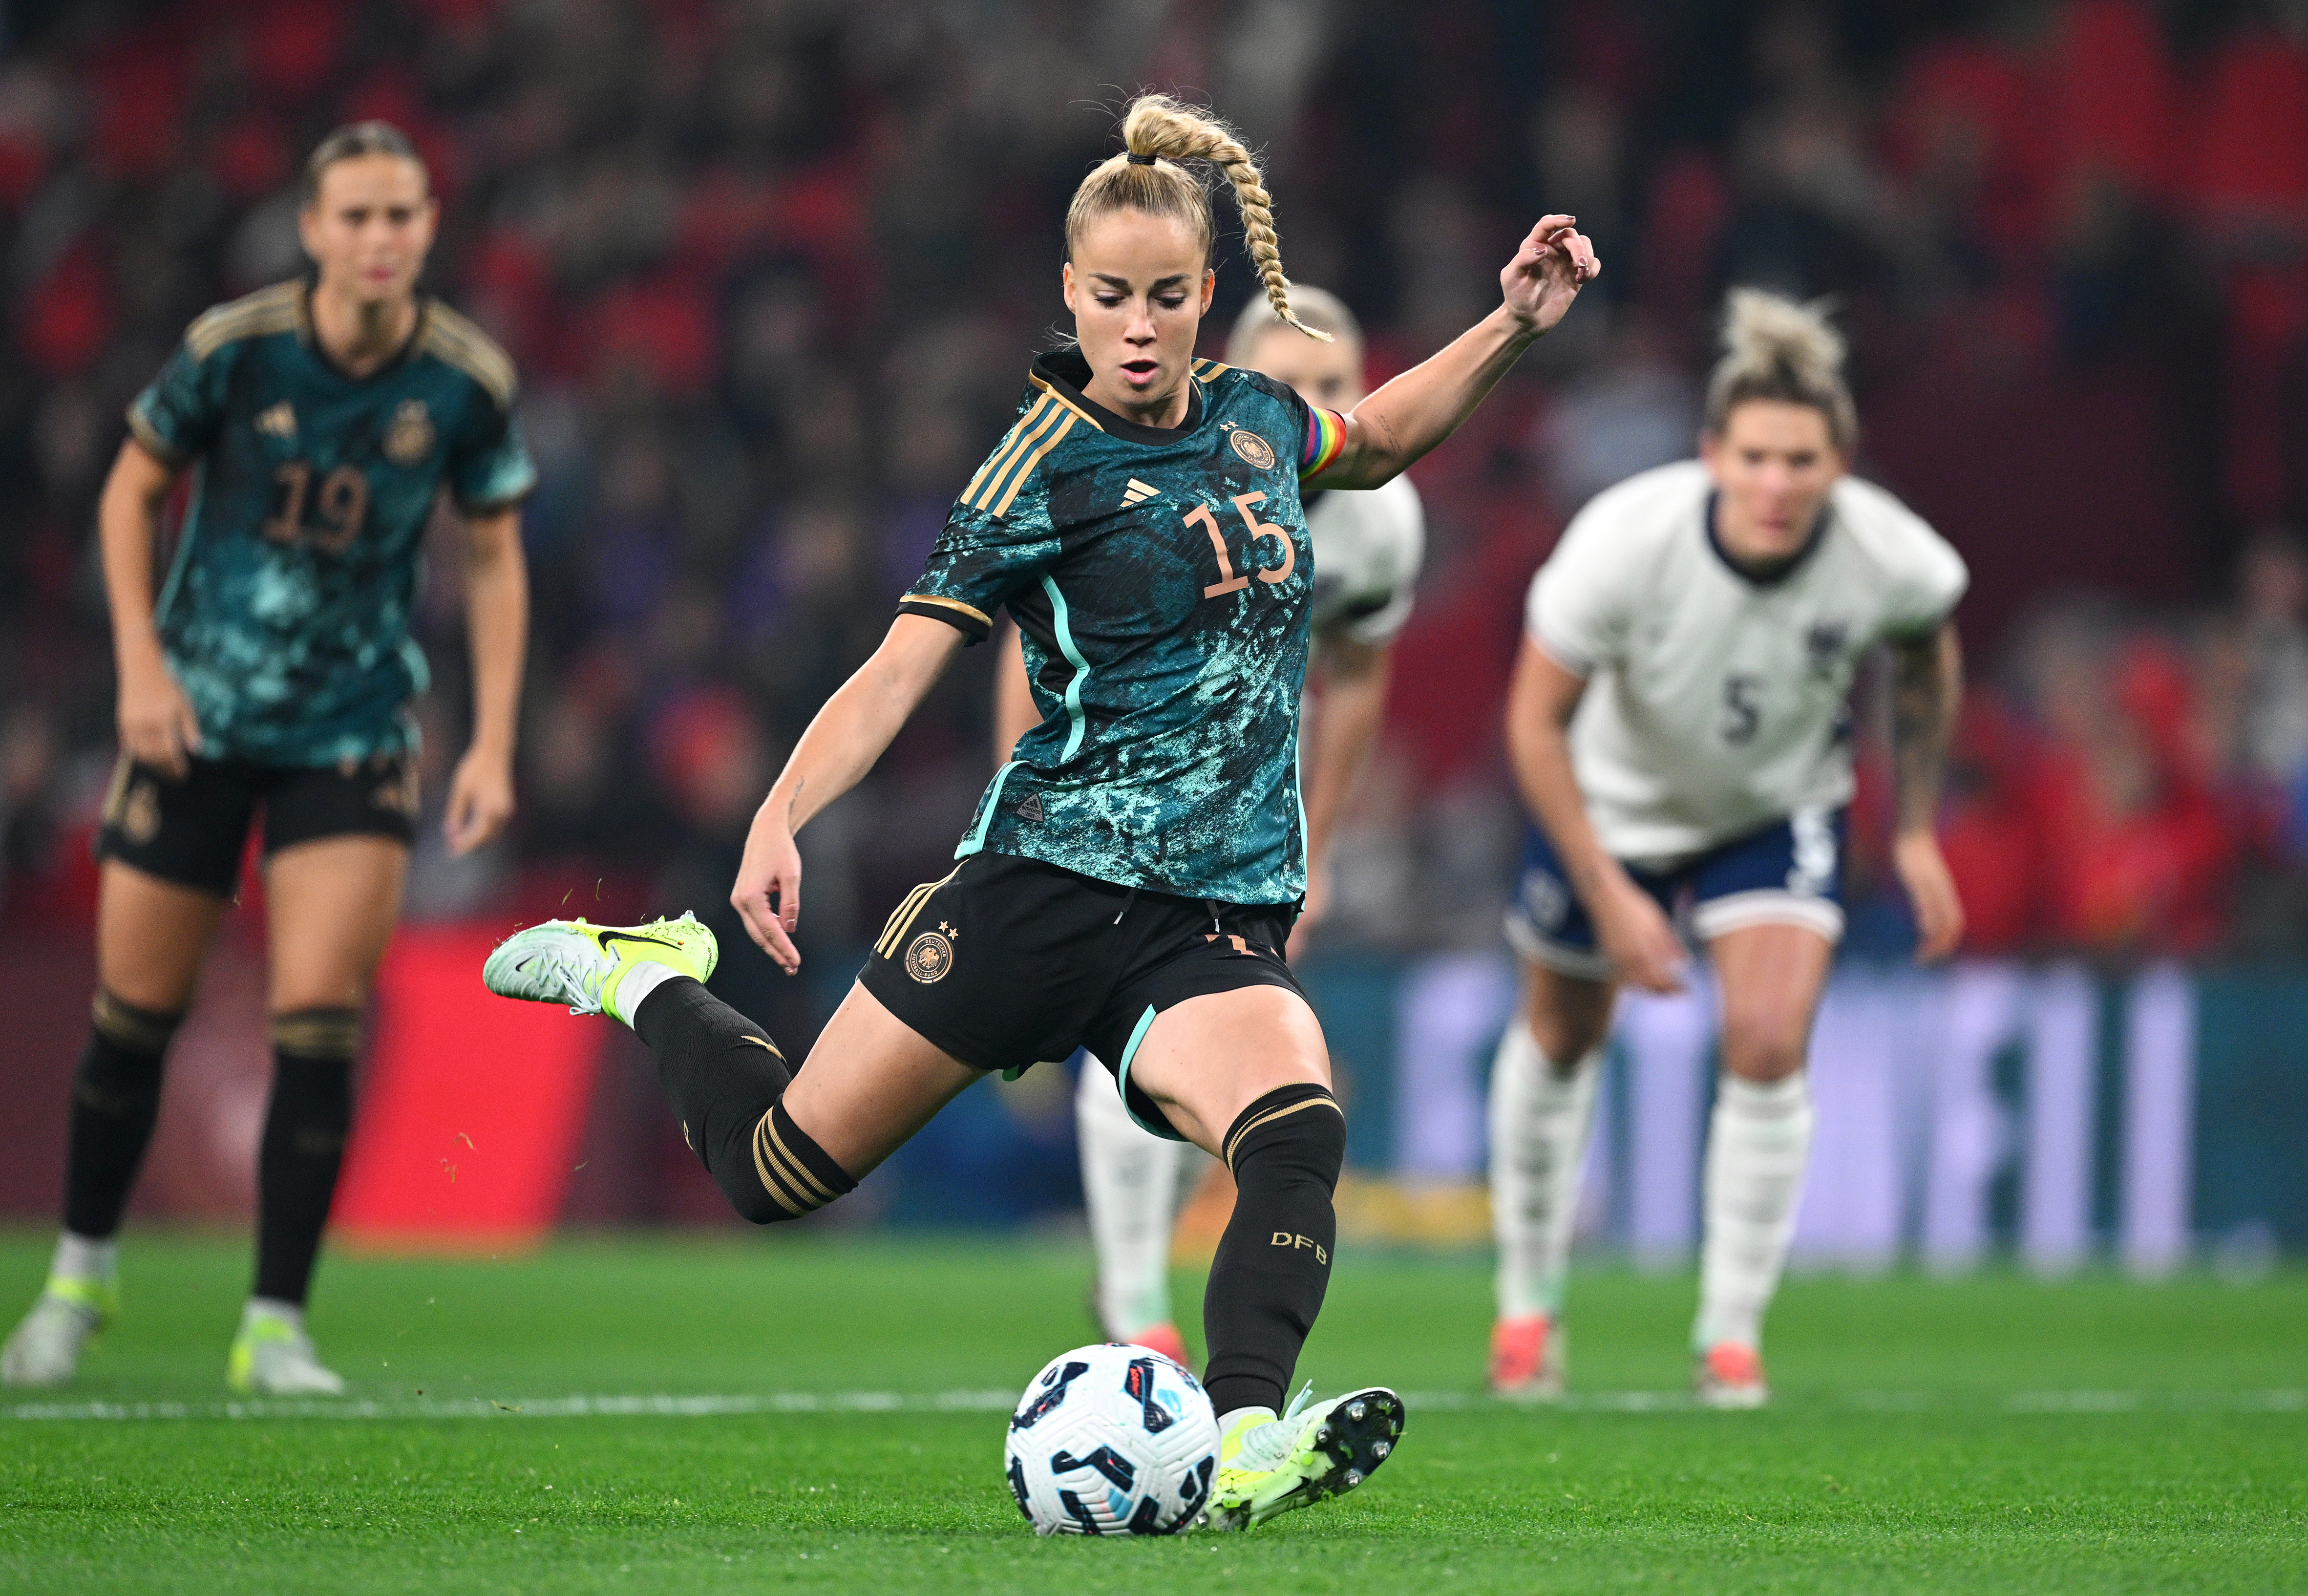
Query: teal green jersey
1163	584
285	613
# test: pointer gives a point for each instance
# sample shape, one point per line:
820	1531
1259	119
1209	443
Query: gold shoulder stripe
259	315
454	339
1079	414
1052	417
1018	429
1210	371
1040	453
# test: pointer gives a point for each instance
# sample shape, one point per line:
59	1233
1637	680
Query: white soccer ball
1112	1440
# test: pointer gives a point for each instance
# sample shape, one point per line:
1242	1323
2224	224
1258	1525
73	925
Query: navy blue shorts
1790	873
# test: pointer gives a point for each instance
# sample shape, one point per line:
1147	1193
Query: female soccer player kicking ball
275	670
1127	880
1367	548
1676	725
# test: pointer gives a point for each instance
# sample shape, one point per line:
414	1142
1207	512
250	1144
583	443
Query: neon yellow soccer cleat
583	965
45	1350
1272	1466
274	1357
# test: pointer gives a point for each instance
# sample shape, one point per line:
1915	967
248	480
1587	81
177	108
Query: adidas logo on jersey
279	421
1139	493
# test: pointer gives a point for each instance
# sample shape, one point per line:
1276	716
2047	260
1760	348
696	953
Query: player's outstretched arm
1418	410
1633	931
497	626
1926	689
157	725
840	746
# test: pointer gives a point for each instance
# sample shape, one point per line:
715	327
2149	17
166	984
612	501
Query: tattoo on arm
1926	686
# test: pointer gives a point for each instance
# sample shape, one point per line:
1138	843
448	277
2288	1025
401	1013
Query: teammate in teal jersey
1129	880
320	420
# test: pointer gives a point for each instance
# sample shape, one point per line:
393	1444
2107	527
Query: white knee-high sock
1130	1184
1540	1122
1757	1146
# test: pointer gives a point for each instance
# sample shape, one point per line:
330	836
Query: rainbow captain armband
1326	435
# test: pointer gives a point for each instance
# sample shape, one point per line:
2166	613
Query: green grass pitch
1993	1434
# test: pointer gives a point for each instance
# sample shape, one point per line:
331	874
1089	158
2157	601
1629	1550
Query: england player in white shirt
1367	550
1676	726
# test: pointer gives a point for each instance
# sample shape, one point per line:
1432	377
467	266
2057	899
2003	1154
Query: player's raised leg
331	905
874	1084
1246	1076
1131	1185
1758	1144
1542	1108
151	938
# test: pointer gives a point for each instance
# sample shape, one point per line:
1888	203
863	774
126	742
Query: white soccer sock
84	1257
1756	1149
638	982
272	1308
1539	1121
1131	1183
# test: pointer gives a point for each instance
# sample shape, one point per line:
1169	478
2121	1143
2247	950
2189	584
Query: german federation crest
409	435
930	955
1253	448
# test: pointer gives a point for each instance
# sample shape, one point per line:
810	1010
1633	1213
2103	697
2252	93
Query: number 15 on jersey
1228	582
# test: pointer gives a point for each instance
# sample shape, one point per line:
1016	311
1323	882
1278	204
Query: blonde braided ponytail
1157	129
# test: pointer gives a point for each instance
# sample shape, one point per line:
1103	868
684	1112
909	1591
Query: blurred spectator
771	273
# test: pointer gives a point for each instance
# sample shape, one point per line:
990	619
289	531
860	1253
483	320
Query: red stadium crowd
771	269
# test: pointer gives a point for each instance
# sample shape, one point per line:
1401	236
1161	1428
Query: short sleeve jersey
1368	548
1715	703
1163	584
285	613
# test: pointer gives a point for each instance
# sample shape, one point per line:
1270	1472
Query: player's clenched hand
1546	273
768	894
1931	889
480	799
157	724
1637	937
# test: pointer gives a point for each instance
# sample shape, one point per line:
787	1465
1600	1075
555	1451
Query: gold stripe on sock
138	1030
318	1032
1325	1101
802	1169
771	1184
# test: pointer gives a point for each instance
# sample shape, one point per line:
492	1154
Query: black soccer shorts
190	830
1007	963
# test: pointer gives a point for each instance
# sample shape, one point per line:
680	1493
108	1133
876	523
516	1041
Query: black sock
115	1097
1274	1261
304	1128
725	1079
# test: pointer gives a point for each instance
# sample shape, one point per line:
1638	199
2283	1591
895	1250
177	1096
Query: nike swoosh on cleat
609	936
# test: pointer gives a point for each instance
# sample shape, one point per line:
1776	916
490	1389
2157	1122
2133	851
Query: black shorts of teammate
190	830
1008	962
